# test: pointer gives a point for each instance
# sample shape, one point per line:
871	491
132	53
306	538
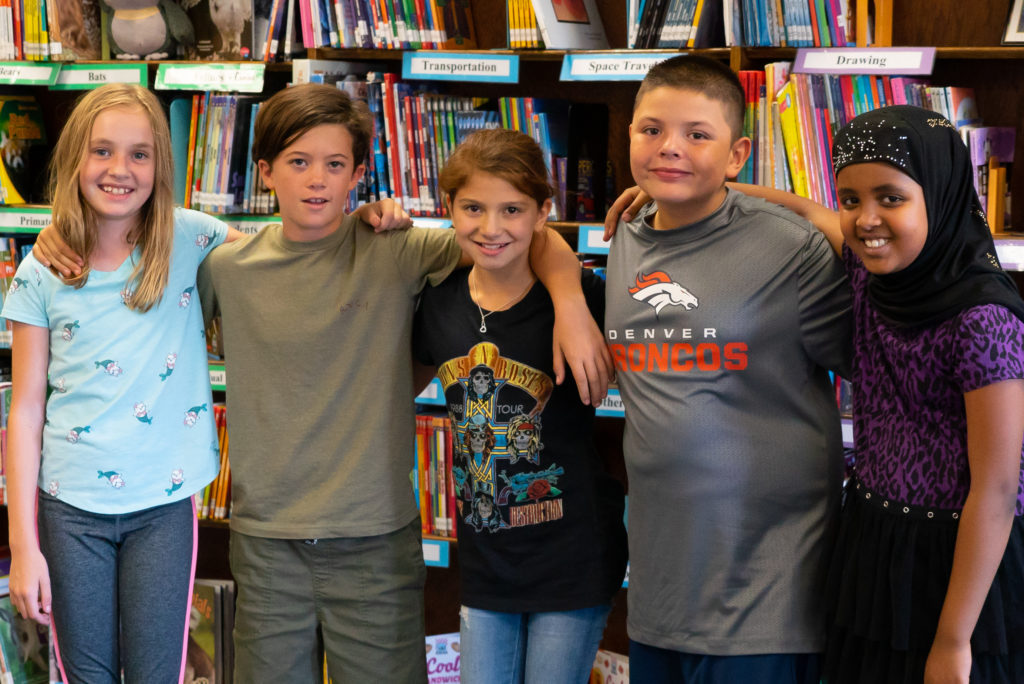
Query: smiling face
117	172
495	223
312	178
882	214
681	151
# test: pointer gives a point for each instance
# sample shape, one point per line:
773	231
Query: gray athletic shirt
722	332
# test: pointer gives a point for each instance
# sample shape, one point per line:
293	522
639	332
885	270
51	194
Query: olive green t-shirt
319	379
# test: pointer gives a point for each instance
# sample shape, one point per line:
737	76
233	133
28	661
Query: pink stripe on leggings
191	585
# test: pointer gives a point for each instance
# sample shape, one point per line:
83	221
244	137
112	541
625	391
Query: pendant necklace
483	316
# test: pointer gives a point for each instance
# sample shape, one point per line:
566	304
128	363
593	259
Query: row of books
5	409
433	483
397	24
215	169
12	251
676	24
792	119
214	501
210	650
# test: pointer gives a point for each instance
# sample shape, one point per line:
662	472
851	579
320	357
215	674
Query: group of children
723	314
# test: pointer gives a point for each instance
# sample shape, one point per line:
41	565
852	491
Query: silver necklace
483	316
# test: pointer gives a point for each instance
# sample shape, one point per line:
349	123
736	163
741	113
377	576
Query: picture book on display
223	29
24	150
570	24
209	656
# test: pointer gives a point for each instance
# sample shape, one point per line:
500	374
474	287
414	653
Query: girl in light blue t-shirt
111	428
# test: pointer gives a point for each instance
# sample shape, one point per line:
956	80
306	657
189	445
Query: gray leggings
121	590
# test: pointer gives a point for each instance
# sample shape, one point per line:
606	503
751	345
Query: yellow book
791	138
693	24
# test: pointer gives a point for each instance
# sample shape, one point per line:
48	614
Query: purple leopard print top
910	429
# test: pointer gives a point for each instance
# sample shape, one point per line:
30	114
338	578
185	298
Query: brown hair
710	78
291	112
511	156
75	220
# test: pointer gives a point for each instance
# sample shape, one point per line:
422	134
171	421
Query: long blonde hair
76	222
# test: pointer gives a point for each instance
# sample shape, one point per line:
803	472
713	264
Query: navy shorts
653	665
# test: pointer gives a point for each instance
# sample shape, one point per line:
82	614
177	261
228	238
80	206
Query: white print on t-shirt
659	290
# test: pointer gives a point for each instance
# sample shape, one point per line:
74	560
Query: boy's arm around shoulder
826	306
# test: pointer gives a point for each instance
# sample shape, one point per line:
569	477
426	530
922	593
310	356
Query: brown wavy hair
509	155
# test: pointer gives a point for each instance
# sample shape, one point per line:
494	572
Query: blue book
179	116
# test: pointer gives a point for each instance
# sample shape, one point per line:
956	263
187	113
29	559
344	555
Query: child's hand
387	214
948	663
578	340
30	585
52	252
625	208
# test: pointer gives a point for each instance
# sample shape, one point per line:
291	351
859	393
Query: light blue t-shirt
129	420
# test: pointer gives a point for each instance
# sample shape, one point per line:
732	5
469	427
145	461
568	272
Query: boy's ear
738	154
265	176
357	175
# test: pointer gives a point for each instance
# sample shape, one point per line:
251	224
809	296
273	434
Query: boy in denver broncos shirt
724	314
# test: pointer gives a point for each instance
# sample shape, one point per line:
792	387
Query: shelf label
250	225
627	65
28	73
87	76
590	239
241	78
435	553
432	394
24	219
882	61
218	377
1011	254
427	222
457	66
611	406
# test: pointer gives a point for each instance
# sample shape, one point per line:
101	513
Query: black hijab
957	267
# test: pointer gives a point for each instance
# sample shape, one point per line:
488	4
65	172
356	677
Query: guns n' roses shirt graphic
501	477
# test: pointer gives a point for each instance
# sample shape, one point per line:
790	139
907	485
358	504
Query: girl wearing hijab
927	579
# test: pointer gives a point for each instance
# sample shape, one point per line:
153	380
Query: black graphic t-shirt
539	520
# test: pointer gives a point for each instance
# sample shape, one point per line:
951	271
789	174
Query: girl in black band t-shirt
542	545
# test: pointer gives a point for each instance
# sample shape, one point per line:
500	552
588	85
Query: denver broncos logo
659	290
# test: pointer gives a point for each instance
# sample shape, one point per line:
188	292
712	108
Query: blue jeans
121	590
530	648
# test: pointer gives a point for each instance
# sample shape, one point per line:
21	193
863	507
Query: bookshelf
968	53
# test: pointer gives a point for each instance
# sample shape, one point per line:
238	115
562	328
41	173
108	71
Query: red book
391	129
412	155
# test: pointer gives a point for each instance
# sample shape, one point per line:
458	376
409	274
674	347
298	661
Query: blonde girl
108	365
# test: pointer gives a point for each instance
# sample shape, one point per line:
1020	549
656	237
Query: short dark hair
290	113
712	79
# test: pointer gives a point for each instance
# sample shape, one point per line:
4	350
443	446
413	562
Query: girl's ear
448	199
543	212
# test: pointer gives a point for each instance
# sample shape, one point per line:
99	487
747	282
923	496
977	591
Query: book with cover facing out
570	24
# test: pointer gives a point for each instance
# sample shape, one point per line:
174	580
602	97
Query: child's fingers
45	599
558	363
